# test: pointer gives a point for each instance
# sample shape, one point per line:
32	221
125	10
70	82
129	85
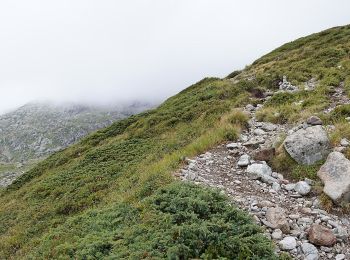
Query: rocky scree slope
36	130
114	195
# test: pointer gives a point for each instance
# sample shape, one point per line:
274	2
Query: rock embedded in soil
335	174
344	142
321	236
310	251
277	234
265	154
302	188
340	257
244	160
309	145
278	219
259	169
288	243
314	120
232	146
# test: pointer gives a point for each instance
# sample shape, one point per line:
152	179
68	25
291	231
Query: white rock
309	145
344	142
302	188
335	174
288	243
233	146
277	234
269	127
243	138
340	257
289	186
259	169
250	107
191	175
244	160
259	132
310	251
276	186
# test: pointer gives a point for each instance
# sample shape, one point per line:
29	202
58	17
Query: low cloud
112	51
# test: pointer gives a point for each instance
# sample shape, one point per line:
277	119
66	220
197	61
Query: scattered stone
276	186
259	132
249	107
265	203
287	86
233	146
310	84
288	243
243	138
314	120
335	174
340	257
294	216
309	145
277	234
344	142
289	186
339	149
254	142
244	160
321	236
259	169
309	181
278	219
269	127
302	188
341	233
310	251
191	175
265	154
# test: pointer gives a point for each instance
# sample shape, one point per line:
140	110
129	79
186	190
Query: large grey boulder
335	174
309	145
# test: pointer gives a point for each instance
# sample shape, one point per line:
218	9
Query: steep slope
112	194
33	131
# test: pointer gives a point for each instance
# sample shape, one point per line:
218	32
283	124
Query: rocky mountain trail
338	97
291	213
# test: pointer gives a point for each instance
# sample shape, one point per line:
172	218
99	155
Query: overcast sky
112	50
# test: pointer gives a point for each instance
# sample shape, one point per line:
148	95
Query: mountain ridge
35	130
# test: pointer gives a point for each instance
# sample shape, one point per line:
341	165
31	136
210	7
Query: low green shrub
180	221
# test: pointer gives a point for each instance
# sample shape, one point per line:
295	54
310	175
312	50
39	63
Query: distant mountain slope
36	130
112	195
39	129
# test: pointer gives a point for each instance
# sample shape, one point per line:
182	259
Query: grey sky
111	50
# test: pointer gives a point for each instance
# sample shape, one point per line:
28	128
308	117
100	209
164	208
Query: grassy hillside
112	194
323	57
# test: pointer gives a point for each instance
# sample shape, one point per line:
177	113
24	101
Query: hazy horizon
104	52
